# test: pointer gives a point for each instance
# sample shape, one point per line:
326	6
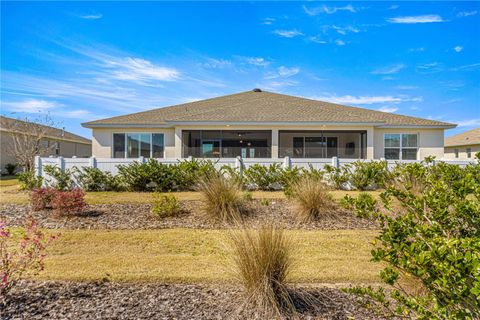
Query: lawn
190	256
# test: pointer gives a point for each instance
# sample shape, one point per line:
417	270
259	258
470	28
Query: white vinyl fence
110	165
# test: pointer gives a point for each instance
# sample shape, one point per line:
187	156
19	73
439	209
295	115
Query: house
260	124
57	142
463	145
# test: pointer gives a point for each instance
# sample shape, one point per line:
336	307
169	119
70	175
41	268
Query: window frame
469	152
125	152
401	147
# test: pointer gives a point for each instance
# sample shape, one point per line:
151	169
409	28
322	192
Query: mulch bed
138	216
103	300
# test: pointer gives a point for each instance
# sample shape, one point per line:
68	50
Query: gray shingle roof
263	107
466	138
10	124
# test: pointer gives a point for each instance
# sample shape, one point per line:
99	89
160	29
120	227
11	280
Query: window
134	145
400	146
456	153
56	148
469	152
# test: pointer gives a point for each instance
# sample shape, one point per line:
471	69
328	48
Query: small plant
336	177
62	179
263	177
264	202
23	257
68	202
222	198
28	180
165	205
11	167
94	179
365	175
247	196
311	199
42	198
262	262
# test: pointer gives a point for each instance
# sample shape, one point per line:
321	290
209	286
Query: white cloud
355	100
30	105
137	69
257	61
468	123
339	42
467	13
388	109
328	10
316	39
344	30
429	67
406	87
283	72
216	63
393	7
421	49
417	19
268	21
288	33
94	16
458	49
390	69
472	66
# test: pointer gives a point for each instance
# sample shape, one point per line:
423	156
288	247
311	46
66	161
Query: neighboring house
463	145
259	124
60	142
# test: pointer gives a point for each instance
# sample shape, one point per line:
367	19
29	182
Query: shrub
336	177
189	172
363	205
165	205
62	179
247	196
432	237
11	167
68	202
42	198
28	180
311	199
94	179
263	177
222	198
23	257
264	202
365	175
233	174
262	261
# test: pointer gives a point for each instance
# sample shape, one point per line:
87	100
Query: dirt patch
138	216
74	300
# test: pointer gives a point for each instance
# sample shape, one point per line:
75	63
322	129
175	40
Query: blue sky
82	61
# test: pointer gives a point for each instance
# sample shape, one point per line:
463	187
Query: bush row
186	175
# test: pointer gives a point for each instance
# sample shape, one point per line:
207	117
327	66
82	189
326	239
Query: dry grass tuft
222	198
262	261
311	199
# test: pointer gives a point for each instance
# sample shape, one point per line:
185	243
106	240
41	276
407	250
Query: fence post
335	163
239	164
61	163
286	162
92	162
38	166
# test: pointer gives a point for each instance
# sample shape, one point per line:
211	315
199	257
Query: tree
30	138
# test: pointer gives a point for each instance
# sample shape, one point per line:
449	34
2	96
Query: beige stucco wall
430	141
102	140
462	152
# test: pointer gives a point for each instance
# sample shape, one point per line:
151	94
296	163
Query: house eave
449	126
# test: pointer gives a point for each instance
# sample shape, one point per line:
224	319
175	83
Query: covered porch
275	143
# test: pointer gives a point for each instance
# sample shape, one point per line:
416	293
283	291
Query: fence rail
110	165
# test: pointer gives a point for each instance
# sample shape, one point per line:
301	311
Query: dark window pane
298	147
119	145
157	145
145	145
133	145
409	154
392	140
409	140
392	154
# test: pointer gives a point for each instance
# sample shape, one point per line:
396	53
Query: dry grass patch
311	199
192	256
262	262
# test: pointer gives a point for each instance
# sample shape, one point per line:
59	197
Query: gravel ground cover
103	300
138	216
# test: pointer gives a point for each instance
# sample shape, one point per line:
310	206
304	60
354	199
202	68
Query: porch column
274	143
178	143
370	144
